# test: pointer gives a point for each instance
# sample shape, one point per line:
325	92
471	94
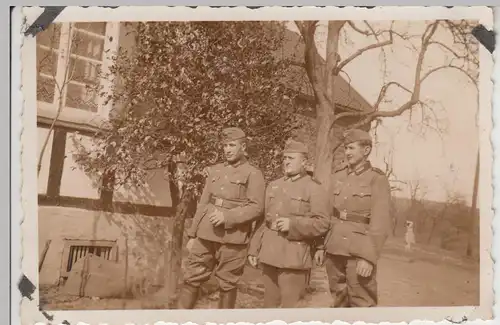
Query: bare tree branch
322	74
300	26
372	30
332	56
415	96
359	30
349	80
449	49
361	51
311	57
388	168
382	94
474	81
375	113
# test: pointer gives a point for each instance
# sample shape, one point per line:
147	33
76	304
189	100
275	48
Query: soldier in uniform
232	199
296	212
360	199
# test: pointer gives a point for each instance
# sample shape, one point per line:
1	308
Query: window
74	250
71	60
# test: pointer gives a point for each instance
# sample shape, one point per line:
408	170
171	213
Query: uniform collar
236	164
360	169
295	177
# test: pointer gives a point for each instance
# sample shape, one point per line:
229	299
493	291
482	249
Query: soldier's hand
319	257
217	218
364	268
283	224
252	260
189	244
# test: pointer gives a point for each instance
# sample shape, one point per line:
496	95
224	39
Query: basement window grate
77	252
74	250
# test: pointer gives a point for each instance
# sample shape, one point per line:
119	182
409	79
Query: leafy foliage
180	85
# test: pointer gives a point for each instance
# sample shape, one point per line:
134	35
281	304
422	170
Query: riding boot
187	297
227	299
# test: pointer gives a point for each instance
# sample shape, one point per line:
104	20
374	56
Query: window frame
68	243
111	43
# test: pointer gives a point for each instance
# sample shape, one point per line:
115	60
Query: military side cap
231	134
292	146
354	135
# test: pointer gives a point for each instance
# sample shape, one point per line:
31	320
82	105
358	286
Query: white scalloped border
23	206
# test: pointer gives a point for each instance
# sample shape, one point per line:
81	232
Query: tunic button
344	237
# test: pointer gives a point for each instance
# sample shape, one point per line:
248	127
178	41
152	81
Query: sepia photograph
258	163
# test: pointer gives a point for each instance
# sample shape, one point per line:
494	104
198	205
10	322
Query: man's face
293	163
234	150
356	153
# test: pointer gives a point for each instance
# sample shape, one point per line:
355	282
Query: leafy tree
175	90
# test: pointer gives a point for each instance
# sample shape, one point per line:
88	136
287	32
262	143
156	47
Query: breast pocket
300	205
239	184
362	197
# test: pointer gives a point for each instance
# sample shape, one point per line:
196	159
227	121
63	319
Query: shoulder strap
378	171
340	168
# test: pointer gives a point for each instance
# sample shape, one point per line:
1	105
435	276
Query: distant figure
409	236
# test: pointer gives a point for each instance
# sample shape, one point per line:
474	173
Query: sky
443	162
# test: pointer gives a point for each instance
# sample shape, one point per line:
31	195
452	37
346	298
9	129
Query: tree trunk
325	145
321	74
472	214
107	190
173	246
173	253
433	228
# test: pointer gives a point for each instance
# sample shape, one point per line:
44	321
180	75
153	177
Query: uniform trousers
349	289
283	287
226	261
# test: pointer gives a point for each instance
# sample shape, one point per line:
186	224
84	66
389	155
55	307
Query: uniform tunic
238	191
286	257
360	201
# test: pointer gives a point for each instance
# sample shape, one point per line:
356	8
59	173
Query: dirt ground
424	278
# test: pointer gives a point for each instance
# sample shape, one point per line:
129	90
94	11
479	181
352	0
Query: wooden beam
84	129
96	205
56	163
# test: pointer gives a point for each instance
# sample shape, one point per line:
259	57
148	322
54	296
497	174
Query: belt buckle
343	215
218	202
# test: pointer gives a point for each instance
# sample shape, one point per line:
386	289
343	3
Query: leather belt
354	217
224	203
